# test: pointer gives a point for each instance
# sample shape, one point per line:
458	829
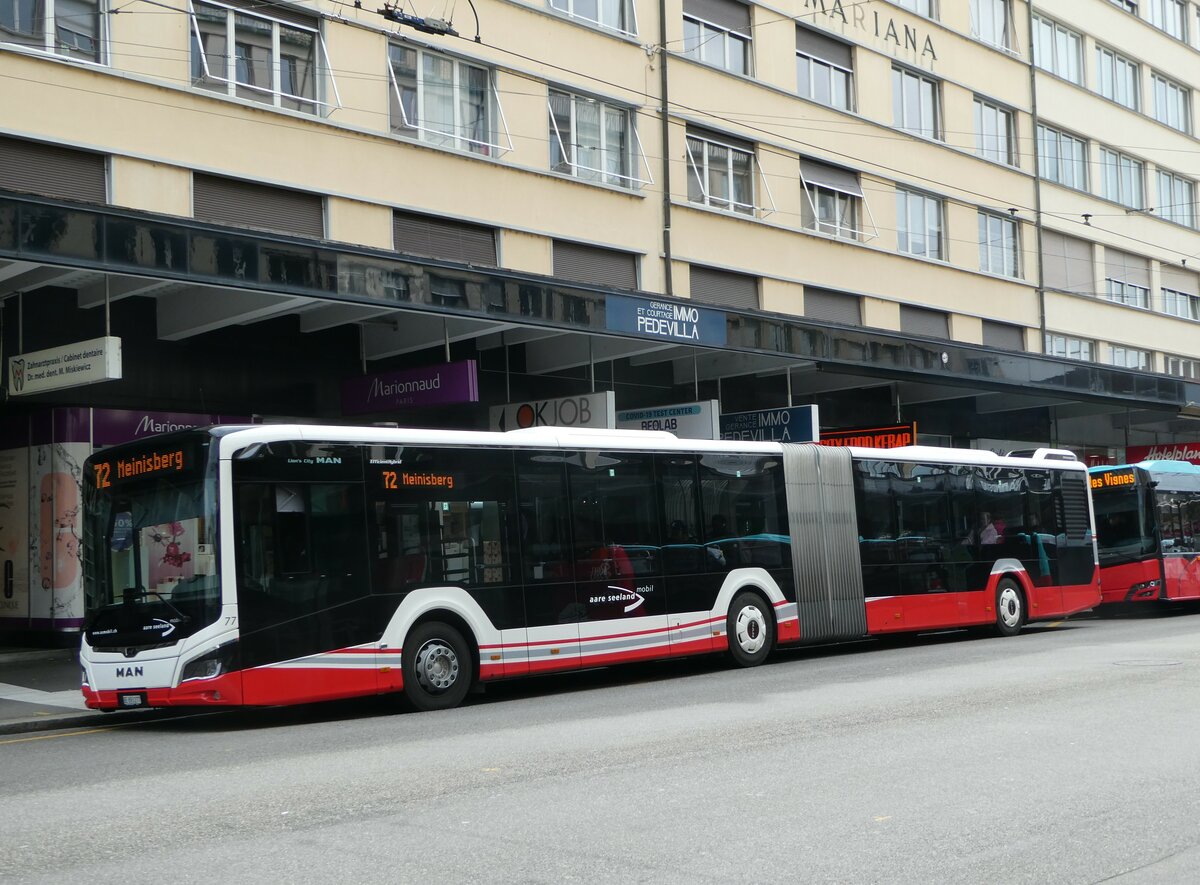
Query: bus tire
1010	607
438	667
750	629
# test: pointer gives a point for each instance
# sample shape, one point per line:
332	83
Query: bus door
1178	522
616	533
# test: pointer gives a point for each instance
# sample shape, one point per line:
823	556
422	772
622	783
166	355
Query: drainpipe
1037	184
668	281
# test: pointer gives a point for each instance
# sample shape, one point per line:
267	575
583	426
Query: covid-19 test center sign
685	420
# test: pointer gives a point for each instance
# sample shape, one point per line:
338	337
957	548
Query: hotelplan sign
71	365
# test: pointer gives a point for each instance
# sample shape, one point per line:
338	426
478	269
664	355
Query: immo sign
665	319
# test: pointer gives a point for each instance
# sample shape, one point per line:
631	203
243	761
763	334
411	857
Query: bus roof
233	439
1186	468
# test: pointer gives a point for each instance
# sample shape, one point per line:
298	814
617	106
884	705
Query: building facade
974	215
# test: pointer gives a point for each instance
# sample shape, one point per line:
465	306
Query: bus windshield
1124	524
150	573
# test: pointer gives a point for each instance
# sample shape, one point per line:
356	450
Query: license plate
127	699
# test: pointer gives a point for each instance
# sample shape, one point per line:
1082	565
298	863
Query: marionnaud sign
72	365
798	424
685	420
438	385
112	426
673	320
585	410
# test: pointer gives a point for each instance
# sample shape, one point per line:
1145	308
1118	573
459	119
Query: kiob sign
585	410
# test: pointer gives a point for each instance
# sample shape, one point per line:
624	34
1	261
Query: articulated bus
279	564
1147	527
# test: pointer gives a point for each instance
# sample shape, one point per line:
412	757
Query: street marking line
46	737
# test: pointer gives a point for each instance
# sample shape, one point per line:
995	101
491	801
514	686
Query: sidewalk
39	691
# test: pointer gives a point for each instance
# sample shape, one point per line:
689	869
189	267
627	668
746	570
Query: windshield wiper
136	594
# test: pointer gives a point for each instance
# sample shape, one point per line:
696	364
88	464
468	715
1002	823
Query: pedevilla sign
672	320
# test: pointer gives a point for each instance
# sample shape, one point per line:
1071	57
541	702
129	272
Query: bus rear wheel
437	667
1010	608
749	629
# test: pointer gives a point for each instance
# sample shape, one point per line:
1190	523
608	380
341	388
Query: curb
44	654
78	720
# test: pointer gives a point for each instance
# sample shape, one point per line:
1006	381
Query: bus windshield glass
1124	521
150	573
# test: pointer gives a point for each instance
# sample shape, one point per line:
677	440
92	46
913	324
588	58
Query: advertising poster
14	533
55	513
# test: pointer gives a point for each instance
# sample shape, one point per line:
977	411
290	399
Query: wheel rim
750	629
437	666
1010	606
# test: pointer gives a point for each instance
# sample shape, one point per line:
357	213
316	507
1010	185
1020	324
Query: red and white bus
283	564
1148	532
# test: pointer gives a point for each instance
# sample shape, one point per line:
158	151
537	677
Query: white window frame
274	93
1130	358
927	8
990	16
932	214
1181	366
1062	159
855	201
1175	198
1065	49
1112	64
700	170
628	7
728	38
935	87
1070	348
1170	17
1129	294
990	119
1172	102
633	149
1129	6
1180	304
433	137
1011	262
1126	167
815	63
48	21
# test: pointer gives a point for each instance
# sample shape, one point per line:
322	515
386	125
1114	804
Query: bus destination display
1113	479
142	466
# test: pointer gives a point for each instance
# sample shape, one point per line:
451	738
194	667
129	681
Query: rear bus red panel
1117	581
1182	576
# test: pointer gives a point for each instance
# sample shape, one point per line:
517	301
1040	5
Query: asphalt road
1068	754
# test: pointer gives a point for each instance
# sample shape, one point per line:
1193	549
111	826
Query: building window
989	22
245	53
1062	158
720	173
1117	78
998	247
1057	49
73	28
824	69
443	101
616	15
926	8
1176	200
1129	358
832	200
919	224
1170	16
1122	179
1066	347
1129	6
591	139
1182	367
717	32
994	135
1128	294
1181	304
1172	103
915	103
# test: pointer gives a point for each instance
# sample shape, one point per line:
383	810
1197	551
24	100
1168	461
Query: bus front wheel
437	667
749	630
1010	608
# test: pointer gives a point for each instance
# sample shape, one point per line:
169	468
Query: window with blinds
724	287
1003	336
34	167
594	265
445	238
832	307
248	204
921	321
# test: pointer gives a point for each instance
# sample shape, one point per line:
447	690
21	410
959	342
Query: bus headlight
1144	590
211	664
